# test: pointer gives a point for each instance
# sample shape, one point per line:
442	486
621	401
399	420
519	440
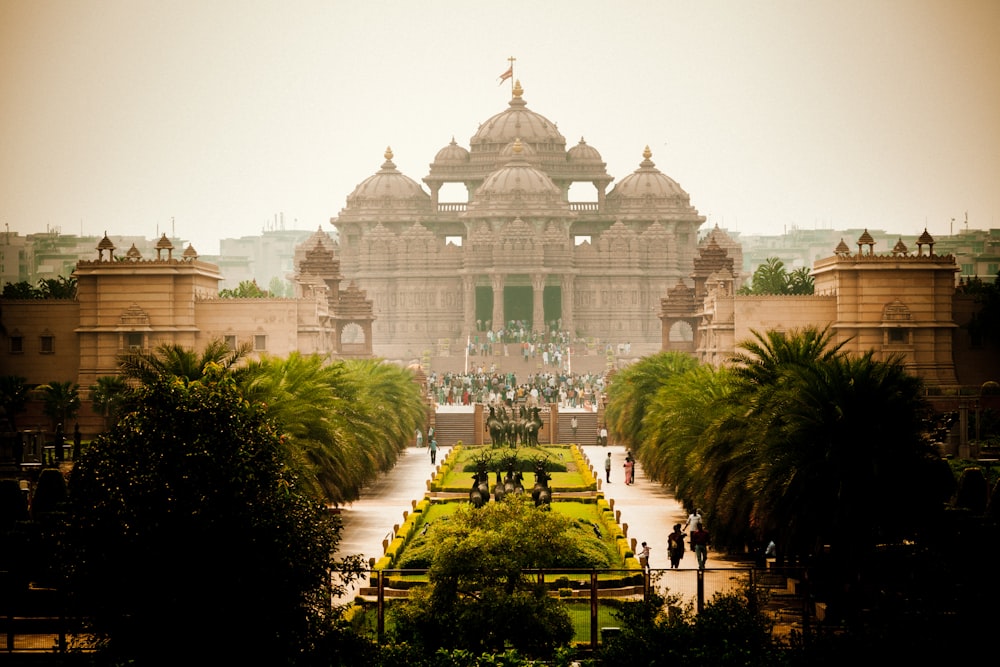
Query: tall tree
188	523
60	402
173	360
633	389
108	396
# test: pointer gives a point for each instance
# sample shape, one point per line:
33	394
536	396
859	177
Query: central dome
518	176
516	122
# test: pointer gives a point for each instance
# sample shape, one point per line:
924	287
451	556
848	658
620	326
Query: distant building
902	302
131	302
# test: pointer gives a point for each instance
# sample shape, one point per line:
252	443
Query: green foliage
772	277
187	522
60	287
478	598
634	387
346	421
108	396
984	326
60	402
247	289
763	445
732	629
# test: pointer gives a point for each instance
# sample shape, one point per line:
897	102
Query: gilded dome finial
388	153
646	154
518	90
518	148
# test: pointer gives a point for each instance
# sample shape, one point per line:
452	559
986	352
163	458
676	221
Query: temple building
127	302
902	303
517	250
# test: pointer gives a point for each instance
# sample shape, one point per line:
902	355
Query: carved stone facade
900	303
517	249
132	303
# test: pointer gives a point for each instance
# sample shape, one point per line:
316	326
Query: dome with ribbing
516	122
584	153
518	175
647	182
389	188
452	154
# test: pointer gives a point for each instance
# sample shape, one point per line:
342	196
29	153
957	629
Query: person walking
433	446
675	546
420	438
629	467
607	468
694	520
574	424
699	542
604	436
644	556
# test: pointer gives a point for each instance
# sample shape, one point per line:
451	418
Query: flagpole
468	340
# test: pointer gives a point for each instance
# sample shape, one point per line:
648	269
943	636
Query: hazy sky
122	115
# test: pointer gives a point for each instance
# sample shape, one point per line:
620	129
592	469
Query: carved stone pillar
498	315
468	304
538	302
567	304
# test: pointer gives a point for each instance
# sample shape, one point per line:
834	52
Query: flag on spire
506	75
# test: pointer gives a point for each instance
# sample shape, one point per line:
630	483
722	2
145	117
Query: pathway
645	506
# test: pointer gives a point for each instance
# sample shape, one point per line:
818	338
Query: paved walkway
645	506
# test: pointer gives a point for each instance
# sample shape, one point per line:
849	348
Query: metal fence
593	597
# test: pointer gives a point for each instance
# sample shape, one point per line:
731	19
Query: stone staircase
451	427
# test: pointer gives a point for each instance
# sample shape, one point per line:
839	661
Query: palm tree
847	462
108	396
345	422
632	390
61	402
173	360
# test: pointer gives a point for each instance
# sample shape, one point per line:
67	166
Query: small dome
866	239
105	243
583	153
452	154
925	238
647	181
386	185
900	247
842	248
190	252
133	253
164	243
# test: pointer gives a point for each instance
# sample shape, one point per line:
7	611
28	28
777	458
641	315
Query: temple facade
133	303
517	249
903	303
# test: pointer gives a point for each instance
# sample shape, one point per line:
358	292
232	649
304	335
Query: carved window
47	344
135	340
16	344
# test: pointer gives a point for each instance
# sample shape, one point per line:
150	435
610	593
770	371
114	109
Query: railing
594	596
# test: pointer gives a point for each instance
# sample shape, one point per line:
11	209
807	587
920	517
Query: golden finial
517	146
647	153
518	90
388	153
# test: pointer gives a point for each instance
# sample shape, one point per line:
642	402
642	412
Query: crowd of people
569	390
